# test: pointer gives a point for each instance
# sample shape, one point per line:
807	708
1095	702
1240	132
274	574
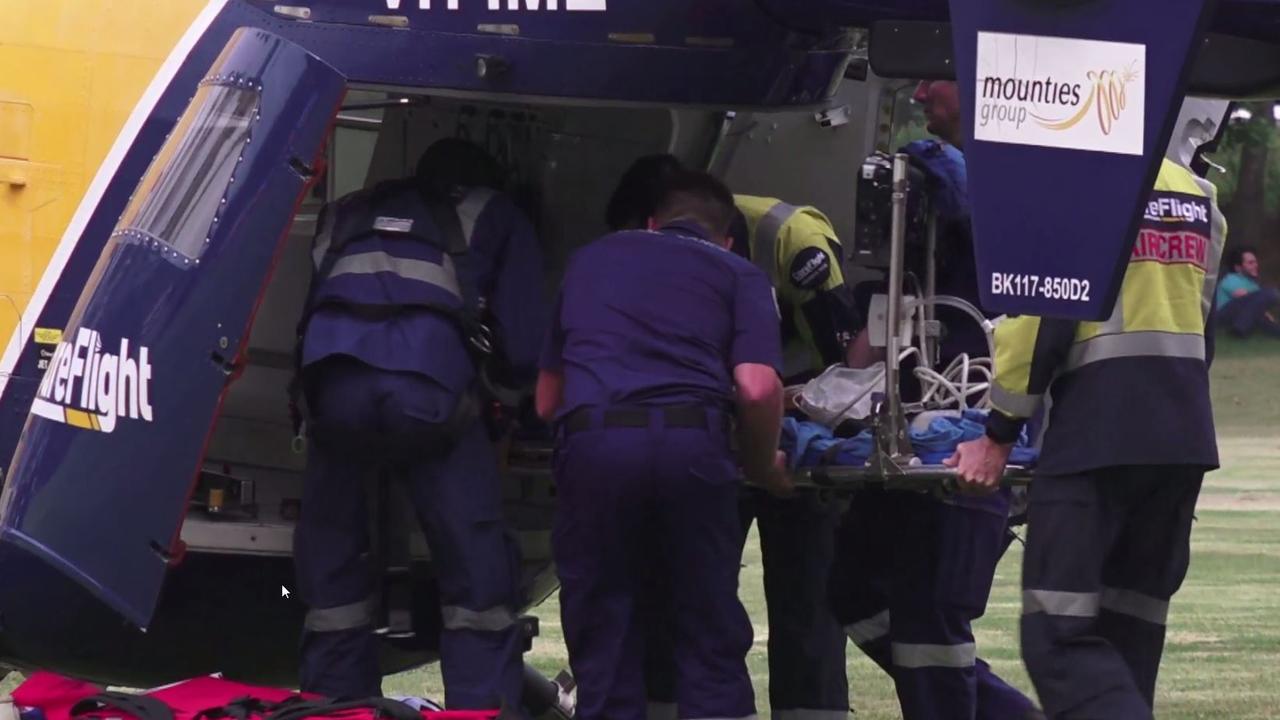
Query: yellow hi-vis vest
1132	389
796	246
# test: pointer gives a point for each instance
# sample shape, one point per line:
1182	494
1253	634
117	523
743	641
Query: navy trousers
911	575
651	510
457	498
1106	550
807	679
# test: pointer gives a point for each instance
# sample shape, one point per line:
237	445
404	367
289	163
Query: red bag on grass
209	698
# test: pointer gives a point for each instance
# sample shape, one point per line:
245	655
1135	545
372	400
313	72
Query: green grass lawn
1222	659
1223	654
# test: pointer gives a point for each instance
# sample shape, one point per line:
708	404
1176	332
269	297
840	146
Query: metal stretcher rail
536	459
857	477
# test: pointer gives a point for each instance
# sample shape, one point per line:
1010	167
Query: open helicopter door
114	442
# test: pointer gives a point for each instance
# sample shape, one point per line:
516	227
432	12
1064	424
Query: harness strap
139	706
381	707
243	708
446	216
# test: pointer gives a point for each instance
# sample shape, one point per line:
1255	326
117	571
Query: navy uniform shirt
659	318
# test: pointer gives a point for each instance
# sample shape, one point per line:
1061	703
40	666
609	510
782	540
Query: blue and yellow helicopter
162	163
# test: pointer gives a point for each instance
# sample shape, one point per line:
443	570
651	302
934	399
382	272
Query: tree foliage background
1249	185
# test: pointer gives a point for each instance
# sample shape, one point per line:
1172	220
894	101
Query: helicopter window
909	123
177	201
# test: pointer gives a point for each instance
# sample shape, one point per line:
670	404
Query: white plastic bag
841	393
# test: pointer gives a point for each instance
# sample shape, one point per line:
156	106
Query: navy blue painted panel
101	477
1256	19
1051	222
555	56
566	21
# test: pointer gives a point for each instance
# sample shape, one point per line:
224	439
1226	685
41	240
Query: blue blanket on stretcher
809	444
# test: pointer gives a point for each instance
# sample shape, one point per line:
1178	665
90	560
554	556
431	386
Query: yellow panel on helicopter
71	73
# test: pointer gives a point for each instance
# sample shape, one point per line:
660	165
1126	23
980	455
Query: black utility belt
670	416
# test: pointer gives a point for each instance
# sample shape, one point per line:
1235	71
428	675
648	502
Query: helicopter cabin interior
563	160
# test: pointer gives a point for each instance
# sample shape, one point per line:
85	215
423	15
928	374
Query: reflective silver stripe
912	656
1062	604
471	208
764	247
661	711
343	617
868	630
491	620
1135	604
1016	404
803	714
1136	344
442	276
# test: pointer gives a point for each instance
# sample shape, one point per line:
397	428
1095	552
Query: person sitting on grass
1244	306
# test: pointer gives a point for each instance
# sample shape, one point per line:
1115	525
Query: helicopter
150	484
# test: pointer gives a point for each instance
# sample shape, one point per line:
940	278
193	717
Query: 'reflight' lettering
1165	206
85	377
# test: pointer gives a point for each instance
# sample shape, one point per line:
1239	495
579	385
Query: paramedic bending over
658	338
912	572
389	387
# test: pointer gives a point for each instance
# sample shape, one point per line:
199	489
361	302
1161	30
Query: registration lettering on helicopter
89	387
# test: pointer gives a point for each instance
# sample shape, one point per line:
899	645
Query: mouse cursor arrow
284	591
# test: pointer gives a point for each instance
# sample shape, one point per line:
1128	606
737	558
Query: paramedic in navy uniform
659	338
388	382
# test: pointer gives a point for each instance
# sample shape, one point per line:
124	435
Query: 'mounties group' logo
1017	100
1060	92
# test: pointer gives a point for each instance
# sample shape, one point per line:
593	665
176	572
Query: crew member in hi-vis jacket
1128	440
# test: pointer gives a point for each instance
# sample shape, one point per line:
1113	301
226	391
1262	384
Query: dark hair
455	163
699	197
639	190
1235	256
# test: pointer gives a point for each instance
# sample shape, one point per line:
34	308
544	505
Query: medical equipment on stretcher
871	396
